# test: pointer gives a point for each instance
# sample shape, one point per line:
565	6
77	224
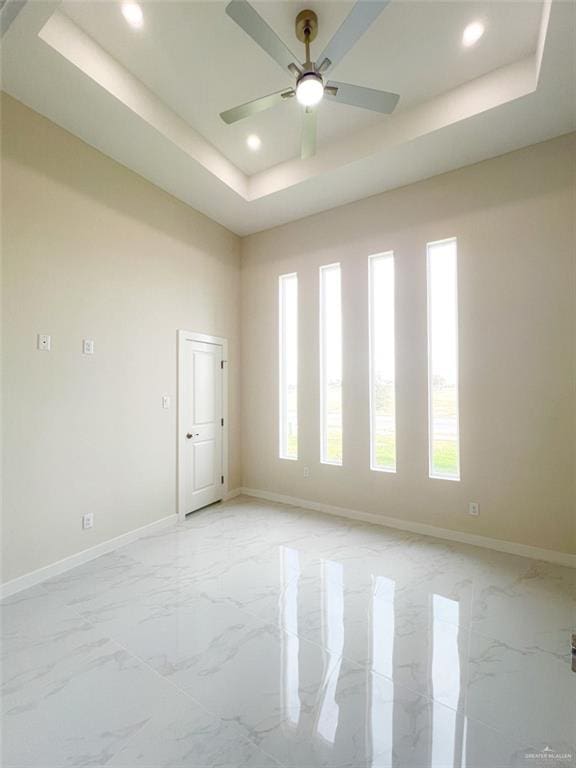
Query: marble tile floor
257	635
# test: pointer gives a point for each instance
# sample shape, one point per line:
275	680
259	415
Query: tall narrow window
444	439
382	367
330	365
288	358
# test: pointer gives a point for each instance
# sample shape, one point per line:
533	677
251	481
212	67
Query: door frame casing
183	337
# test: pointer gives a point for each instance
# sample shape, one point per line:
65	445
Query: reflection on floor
257	634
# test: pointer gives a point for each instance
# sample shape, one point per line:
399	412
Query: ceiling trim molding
542	36
9	9
487	92
67	39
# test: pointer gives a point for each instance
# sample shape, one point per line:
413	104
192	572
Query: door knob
190	435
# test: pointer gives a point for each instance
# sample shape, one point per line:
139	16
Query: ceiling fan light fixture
310	89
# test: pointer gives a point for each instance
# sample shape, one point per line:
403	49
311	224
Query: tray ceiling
150	97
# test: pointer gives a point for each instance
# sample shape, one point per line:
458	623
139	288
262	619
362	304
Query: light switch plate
88	520
43	342
165	401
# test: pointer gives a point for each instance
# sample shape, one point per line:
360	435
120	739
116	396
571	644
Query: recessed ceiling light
133	14
254	142
472	33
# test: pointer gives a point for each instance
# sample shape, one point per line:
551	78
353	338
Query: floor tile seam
171	685
467	692
452	546
404	686
131	656
70	608
17	597
353	662
468	625
229	560
528	649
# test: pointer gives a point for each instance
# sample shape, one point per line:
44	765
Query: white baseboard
61	566
510	547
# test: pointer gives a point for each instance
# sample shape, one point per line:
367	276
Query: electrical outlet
306	472
474	508
88	520
43	342
87	346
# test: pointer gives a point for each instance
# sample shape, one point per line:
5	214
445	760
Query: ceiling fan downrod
306	31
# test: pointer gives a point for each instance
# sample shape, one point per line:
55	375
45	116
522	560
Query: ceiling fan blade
358	96
308	133
258	105
363	15
254	25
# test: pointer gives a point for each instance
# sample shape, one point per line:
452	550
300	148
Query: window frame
322	360
282	388
371	346
431	473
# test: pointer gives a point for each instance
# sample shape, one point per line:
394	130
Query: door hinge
222	479
221	422
222	364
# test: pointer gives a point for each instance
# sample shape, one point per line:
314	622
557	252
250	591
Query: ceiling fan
311	86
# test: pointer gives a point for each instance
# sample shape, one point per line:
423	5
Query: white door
201	425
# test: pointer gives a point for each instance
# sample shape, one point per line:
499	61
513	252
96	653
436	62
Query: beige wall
92	250
514	220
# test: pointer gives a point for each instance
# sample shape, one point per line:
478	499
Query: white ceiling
201	63
150	98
